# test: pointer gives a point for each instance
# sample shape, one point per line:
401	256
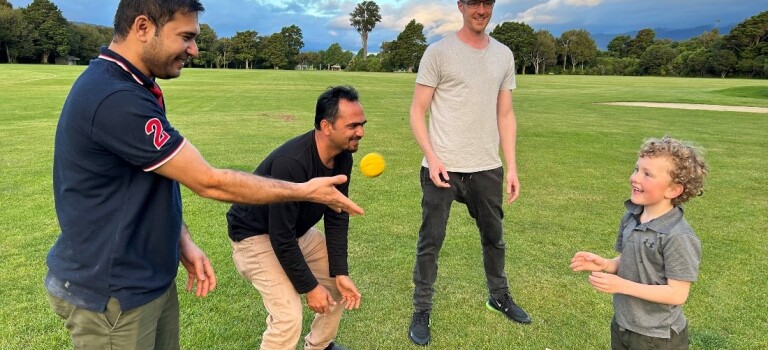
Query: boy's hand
606	282
586	261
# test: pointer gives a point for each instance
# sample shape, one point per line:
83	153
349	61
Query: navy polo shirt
120	221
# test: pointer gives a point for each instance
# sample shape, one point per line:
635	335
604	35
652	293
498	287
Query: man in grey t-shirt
465	80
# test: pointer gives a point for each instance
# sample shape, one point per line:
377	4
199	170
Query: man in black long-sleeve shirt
276	246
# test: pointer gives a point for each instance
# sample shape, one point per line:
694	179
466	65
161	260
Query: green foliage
88	39
336	55
293	38
657	60
358	64
206	45
574	158
275	51
626	66
750	35
544	51
52	30
619	46
15	34
224	50
364	18
583	49
749	41
642	41
578	47
519	38
294	41
406	51
309	59
723	61
244	46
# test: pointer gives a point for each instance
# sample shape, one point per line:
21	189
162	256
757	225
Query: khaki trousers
255	260
147	327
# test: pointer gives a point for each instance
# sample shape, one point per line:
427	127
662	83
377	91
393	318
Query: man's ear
326	127
143	28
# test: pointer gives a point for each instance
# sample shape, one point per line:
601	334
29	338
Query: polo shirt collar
661	224
138	76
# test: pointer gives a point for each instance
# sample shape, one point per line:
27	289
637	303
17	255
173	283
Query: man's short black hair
328	103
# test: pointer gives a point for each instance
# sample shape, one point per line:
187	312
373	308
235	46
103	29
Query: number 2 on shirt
160	137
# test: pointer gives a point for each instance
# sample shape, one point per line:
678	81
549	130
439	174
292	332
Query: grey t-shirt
463	127
652	252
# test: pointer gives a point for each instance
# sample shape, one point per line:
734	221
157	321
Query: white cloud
581	3
553	11
540	14
340	22
437	18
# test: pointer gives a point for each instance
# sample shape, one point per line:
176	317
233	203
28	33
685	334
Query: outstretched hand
323	190
350	296
586	261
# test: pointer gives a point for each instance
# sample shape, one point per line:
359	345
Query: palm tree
364	19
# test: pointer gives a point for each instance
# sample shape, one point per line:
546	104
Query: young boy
659	252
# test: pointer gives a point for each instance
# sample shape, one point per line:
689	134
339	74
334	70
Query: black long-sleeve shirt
297	161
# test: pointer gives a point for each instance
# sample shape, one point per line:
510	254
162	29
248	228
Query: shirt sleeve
282	228
130	124
428	73
337	226
682	256
510	82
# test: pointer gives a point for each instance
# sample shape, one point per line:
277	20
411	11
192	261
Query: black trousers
482	193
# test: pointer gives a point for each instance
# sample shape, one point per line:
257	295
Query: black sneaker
419	330
508	308
334	346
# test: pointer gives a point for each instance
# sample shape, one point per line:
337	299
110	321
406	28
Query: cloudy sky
324	22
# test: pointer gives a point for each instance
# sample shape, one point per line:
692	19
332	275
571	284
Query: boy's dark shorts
623	339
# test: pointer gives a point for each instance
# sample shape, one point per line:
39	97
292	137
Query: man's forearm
240	187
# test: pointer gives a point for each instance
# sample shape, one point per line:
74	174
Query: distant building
68	60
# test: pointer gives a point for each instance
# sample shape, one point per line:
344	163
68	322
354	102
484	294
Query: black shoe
333	346
508	307
419	330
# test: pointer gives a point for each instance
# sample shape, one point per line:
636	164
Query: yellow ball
372	164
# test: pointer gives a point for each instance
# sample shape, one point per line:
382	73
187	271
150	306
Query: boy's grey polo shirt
652	252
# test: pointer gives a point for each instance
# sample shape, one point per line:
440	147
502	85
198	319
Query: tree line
39	33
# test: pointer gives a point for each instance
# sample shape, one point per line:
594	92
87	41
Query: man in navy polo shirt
117	167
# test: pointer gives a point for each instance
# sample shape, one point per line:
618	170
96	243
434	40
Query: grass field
574	157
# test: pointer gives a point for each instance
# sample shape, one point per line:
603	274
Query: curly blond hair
688	166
